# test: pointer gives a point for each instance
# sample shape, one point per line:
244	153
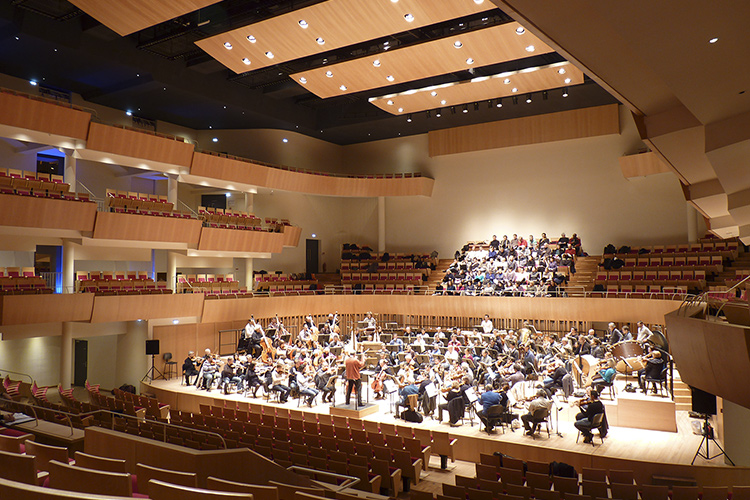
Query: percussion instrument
586	362
627	354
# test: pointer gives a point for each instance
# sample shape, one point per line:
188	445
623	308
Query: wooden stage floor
621	443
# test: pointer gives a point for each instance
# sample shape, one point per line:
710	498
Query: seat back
258	492
43	453
74	478
17	467
159	490
145	473
100	463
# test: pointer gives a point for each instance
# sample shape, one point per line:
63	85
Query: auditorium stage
651	452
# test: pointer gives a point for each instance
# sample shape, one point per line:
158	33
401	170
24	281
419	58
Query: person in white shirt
644	333
487	325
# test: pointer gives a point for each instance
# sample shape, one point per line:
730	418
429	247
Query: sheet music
431	390
389	386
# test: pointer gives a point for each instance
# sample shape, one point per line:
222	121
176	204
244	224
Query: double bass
268	350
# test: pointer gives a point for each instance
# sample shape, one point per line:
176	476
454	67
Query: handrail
180	202
349	481
31	379
90	193
731	289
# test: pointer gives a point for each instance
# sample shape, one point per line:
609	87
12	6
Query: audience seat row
642	291
690	278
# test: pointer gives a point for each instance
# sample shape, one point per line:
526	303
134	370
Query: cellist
382	371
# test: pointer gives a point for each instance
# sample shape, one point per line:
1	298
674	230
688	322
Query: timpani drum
586	362
627	355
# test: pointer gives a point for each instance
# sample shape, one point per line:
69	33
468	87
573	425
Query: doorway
81	363
312	252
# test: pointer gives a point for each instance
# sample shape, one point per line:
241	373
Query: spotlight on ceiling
489	104
476	106
408	118
215	139
129	113
438	113
320	41
246	61
409	18
528	98
453	110
303	24
466	109
428	114
520	30
499	102
515	99
565	92
544	95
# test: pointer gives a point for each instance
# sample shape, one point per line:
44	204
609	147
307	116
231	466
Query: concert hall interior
386	210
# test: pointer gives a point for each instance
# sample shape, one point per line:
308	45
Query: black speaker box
152	347
703	402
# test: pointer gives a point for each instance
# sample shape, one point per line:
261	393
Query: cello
268	350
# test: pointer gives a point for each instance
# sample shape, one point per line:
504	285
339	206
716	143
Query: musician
382	371
370	322
487	325
456	400
279	379
489	399
395	340
585	418
353	377
613	334
419	344
604	375
210	372
439	334
255	340
306	385
454	342
540	401
583	346
553	382
626	335
644	334
305	335
252	380
188	368
652	370
597	350
428	403
228	376
407	390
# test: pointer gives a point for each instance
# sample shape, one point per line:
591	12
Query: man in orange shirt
353	378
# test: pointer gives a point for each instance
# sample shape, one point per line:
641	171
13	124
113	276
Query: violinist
228	376
255	341
323	379
252	380
407	390
210	372
652	370
382	371
306	385
584	420
279	379
189	368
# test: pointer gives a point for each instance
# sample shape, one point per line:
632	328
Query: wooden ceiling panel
481	89
479	48
338	23
128	16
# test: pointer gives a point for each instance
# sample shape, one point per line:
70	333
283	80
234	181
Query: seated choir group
498	361
512	267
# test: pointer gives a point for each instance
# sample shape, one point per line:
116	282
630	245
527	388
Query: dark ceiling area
160	74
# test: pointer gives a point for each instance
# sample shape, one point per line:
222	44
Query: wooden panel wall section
565	125
710	355
30	113
134	307
49	213
291	236
50	308
241	464
643	164
228	169
114	226
143	145
239	240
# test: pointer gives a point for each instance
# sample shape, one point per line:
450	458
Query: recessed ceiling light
409	18
33	83
514	89
303	80
713	40
389	78
343	87
394	1
565	92
389	102
458	44
246	61
329	74
506	81
561	71
567	80
438	113
408	118
520	30
227	45
269	54
479	2
400	110
433	93
320	41
215	139
284	140
376	63
443	102
129	113
470	61
530	48
499	103
303	24
528	98
175	321
251	39
466	109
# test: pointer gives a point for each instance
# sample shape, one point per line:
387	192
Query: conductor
353	377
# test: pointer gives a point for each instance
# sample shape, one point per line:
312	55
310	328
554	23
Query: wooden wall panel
48	213
565	125
710	355
112	226
227	169
237	240
642	164
133	307
291	236
27	112
52	308
143	145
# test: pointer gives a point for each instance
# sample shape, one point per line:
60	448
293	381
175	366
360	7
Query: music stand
390	388
708	436
558	408
152	371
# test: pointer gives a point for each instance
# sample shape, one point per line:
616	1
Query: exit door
312	249
81	363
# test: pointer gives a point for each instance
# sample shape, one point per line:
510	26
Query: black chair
611	385
661	380
170	367
496	415
596	424
541	416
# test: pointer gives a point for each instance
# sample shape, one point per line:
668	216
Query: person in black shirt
585	419
652	370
